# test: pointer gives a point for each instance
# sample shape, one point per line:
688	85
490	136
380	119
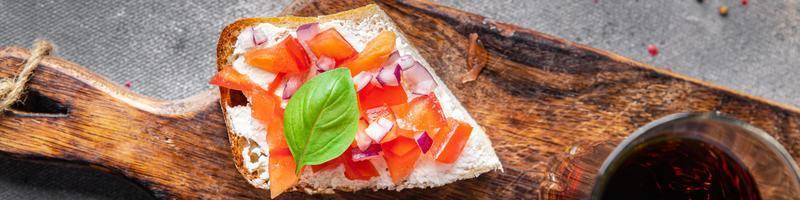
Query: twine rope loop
11	88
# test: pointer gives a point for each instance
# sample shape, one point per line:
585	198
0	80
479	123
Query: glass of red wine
681	156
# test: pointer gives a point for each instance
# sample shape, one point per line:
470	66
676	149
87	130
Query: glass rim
759	134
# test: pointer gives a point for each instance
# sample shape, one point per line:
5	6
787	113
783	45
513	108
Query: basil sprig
321	119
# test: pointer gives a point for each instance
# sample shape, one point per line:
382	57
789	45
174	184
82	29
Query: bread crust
225	48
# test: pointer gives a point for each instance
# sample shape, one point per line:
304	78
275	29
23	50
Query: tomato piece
406	133
265	104
376	113
440	137
288	56
454	142
357	170
374	54
371	96
331	164
402	146
281	162
423	113
331	44
400	165
275	83
231	79
281	171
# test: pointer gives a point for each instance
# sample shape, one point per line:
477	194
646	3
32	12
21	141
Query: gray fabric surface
166	49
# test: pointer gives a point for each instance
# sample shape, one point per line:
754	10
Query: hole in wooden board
34	104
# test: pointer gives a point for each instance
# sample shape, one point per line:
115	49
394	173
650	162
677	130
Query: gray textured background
166	49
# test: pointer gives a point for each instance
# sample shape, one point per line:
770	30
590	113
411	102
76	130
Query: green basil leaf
321	119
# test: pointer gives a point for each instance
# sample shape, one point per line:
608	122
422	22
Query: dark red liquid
680	169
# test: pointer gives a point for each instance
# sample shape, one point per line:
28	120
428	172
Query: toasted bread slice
477	157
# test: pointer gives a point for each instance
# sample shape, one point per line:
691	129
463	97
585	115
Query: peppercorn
652	49
723	10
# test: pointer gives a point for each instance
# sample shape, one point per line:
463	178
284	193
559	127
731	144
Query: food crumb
744	2
128	84
723	10
652	49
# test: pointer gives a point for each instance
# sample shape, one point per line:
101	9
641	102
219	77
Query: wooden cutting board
538	96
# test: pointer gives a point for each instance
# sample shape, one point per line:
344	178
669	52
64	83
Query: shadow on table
24	179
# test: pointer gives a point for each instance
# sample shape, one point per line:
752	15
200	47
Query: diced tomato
276	83
405	133
402	146
288	56
331	164
281	163
374	54
423	113
275	136
454	142
265	104
231	79
357	170
400	110
281	171
401	155
376	113
371	96
440	137
331	44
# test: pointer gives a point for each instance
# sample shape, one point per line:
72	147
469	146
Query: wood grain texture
537	97
175	149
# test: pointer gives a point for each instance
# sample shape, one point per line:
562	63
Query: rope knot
12	88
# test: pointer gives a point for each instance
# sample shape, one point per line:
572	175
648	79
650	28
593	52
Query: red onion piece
307	31
389	76
373	151
362	139
406	62
361	80
418	80
374	81
424	88
424	142
378	130
259	37
325	63
291	85
392	60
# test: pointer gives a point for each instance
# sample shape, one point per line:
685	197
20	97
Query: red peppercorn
744	2
128	84
652	49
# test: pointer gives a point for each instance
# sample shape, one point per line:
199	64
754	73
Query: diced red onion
361	80
424	88
376	131
418	80
307	31
392	60
406	61
374	80
373	151
325	63
291	85
424	142
362	140
259	37
389	75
